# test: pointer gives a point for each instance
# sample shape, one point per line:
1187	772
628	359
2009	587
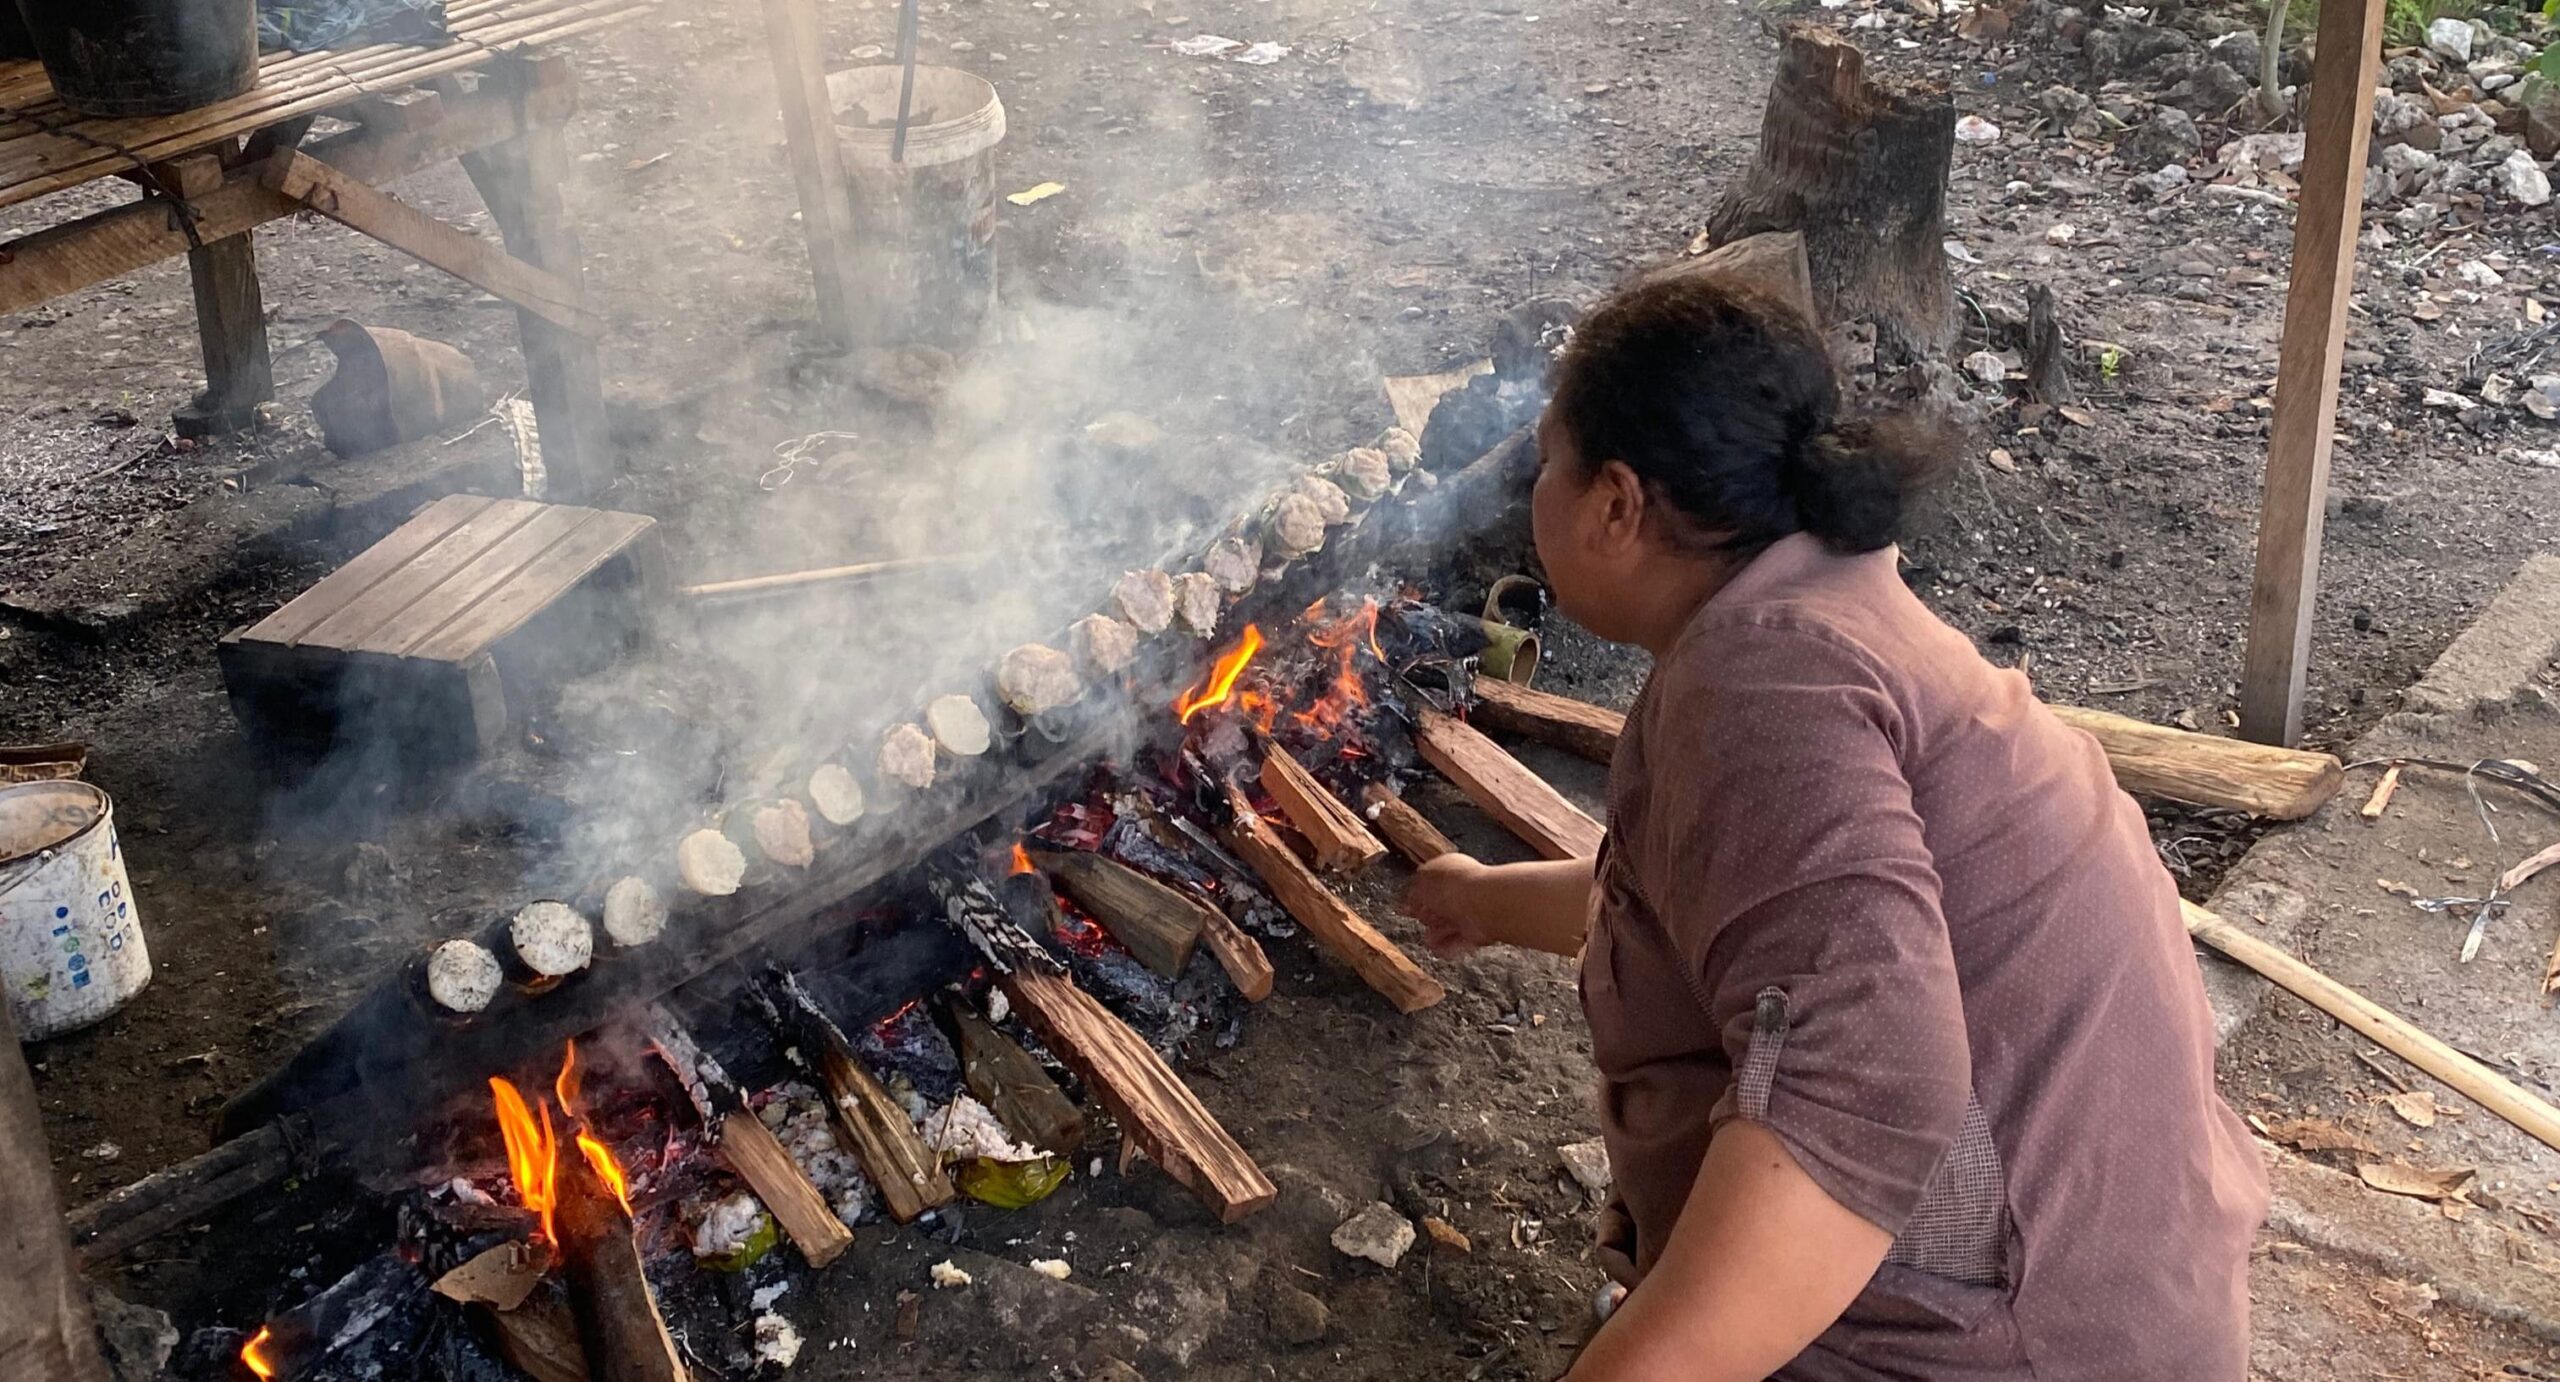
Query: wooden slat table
411	638
211	175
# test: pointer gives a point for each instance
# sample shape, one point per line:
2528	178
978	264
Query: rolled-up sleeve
1798	888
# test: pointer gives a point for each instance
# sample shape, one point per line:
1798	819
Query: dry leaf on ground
2417	1108
2397	1178
2318	1135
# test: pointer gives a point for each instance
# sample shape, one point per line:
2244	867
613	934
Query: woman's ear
1618	504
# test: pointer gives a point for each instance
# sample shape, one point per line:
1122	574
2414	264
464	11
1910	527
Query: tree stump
1859	165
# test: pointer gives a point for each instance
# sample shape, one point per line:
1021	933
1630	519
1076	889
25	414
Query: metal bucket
71	949
924	226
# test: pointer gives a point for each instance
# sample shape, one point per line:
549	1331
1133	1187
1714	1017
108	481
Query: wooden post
521	179
45	1329
2349	56
231	317
794	40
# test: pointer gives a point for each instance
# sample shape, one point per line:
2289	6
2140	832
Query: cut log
906	1172
181	1194
2207	770
1417	839
540	1337
1340	839
1159	925
1239	955
1859	165
619	1328
750	1147
1328	918
1504	788
1014	1086
1577	727
1155	1109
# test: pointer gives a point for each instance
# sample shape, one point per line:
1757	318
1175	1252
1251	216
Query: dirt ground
1281	235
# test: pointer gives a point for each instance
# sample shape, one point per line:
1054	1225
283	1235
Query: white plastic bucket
924	226
71	949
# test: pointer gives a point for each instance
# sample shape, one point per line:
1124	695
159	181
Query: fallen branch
821	575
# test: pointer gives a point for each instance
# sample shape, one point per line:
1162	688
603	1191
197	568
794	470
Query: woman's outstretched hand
1447	896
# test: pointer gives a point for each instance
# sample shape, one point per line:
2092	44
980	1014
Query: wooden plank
1377	960
428	527
386	218
795	43
1156	1110
1414	837
361	615
537	586
1340	839
2207	770
2348	58
45	1328
1159	924
1578	727
766	1166
1014	1086
2383	1027
487	571
1239	955
1504	788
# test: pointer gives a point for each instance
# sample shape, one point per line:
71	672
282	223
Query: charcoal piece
1466	424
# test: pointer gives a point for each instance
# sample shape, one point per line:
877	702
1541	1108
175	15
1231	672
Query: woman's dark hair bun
1720	396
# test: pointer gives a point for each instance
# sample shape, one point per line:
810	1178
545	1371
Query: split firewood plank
906	1172
2383	1027
1340	839
2208	770
1414	837
624	1336
2383	791
45	1326
1239	954
361	207
178	1195
1328	918
1014	1086
1159	925
540	1337
1505	788
748	1145
1577	727
1155	1109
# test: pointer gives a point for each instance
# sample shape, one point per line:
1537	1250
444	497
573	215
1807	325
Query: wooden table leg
521	180
231	316
794	40
45	1328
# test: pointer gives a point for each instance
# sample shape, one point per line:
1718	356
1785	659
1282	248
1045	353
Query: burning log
551	939
1103	644
836	793
1010	1082
906	756
710	863
1328	918
623	1335
782	833
462	976
1035	679
1197	604
959	726
1159	925
1414	837
1577	727
540	1338
748	1145
1504	788
635	913
1342	843
1145	599
905	1171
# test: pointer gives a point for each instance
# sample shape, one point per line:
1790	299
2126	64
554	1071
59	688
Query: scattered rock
1295	1317
1973	129
2211	90
2522	179
1588	1164
2061	104
2478	275
136	1339
1376	1234
1986	367
2239	48
2542	397
1445	1235
2162	181
2167	137
2451	38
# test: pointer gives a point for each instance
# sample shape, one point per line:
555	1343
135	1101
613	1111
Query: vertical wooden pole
794	40
2349	57
45	1329
522	180
231	316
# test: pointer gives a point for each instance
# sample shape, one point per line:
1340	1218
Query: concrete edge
2474	1265
2494	660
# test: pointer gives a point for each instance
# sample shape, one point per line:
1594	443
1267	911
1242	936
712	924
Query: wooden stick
175	1196
1239	954
2384	1028
1578	727
2383	791
2155	760
540	1337
1156	1110
1507	790
1159	925
1414	837
907	1173
1014	1086
619	1326
2339	123
792	580
361	207
1340	839
1328	918
45	1326
747	1144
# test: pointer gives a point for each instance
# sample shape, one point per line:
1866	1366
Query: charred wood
619	1327
1014	1086
1158	924
906	1172
1328	918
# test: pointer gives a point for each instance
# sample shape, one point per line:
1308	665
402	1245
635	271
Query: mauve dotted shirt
1862	889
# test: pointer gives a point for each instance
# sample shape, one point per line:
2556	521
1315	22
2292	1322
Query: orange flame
567	1083
1021	861
606	1168
250	1353
1345	636
1222	677
533	1151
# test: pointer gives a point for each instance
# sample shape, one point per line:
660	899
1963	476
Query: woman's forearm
1542	905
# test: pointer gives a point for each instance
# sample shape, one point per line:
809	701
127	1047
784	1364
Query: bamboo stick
822	575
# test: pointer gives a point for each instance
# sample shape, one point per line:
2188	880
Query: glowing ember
533	1151
887	1028
1081	934
1222	677
253	1353
1021	860
607	1170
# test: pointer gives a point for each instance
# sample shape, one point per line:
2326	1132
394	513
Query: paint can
71	948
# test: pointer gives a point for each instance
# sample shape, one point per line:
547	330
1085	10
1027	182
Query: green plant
2110	362
2404	22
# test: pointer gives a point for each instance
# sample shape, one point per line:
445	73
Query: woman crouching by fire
1906	1069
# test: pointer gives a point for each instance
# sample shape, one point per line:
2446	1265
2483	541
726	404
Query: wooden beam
2383	1027
1156	1110
2208	770
794	41
231	322
1159	925
1504	788
1417	839
2348	51
1328	918
361	207
1578	727
45	1328
624	1337
1340	839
